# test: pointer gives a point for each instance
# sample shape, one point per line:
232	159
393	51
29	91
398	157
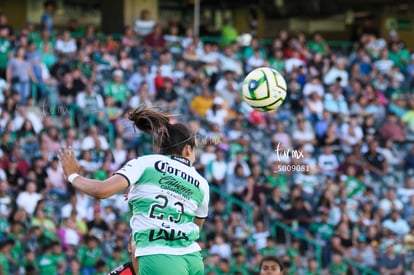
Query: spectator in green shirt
399	55
117	89
45	37
88	255
338	267
294	253
277	61
254	45
312	267
47	262
238	264
270	248
5	256
318	45
5	48
278	180
103	172
354	187
228	33
116	259
59	256
29	260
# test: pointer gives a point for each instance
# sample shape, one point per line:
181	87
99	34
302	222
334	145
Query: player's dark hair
170	138
272	259
48	3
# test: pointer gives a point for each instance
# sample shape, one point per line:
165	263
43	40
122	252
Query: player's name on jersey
165	167
170	183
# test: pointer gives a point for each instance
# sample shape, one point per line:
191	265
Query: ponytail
170	138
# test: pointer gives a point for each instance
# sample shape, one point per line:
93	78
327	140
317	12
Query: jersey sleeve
202	210
131	171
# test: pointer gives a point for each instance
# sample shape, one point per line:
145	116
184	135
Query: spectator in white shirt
119	153
166	64
255	61
294	62
216	170
211	59
142	76
312	86
335	103
304	134
337	72
217	114
220	247
351	134
144	24
141	96
327	161
396	224
207	156
390	202
229	63
57	178
390	153
375	45
94	141
227	87
90	101
67	209
238	160
3	87
314	107
405	193
29	198
364	253
384	64
66	44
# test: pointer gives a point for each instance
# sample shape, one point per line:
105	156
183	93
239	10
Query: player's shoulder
200	177
147	159
150	157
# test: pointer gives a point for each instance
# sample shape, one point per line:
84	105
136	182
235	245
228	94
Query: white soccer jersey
166	194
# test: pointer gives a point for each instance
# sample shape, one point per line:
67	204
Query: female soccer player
167	197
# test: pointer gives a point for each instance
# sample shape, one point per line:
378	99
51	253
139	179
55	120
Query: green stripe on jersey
174	183
165	237
167	213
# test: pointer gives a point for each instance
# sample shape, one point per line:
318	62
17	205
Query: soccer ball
264	89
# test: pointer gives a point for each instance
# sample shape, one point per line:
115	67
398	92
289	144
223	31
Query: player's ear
187	151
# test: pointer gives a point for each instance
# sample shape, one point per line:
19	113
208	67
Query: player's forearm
89	186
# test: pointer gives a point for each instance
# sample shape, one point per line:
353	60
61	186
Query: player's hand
69	163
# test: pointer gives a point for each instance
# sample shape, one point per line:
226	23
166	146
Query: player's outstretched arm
95	188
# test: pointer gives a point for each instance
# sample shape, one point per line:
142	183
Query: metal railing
298	235
231	201
359	268
54	108
92	119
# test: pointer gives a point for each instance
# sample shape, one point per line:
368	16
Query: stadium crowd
335	162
